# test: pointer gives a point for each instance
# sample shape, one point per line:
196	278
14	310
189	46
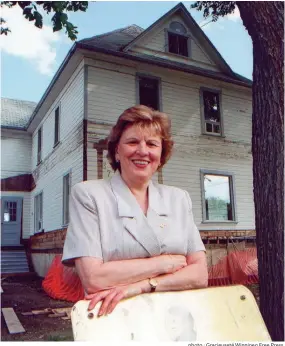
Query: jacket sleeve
83	237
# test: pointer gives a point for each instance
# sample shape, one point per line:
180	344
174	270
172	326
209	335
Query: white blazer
107	222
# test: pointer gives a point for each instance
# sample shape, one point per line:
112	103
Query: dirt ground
25	294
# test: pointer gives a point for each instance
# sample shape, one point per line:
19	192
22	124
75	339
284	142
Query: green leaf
4	31
57	25
38	19
63	18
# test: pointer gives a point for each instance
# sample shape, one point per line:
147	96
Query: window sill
205	134
178	55
206	222
39	232
56	145
65	225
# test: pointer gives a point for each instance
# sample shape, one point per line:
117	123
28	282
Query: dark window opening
56	126
177	44
149	92
212	115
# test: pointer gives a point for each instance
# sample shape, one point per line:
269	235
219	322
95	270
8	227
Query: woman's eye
152	144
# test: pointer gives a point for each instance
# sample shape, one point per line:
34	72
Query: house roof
15	114
115	40
118	42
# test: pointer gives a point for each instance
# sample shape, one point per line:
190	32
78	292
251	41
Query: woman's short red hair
145	118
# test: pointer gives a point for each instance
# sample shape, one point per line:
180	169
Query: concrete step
14	262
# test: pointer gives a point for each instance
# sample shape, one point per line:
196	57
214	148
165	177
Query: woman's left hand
111	297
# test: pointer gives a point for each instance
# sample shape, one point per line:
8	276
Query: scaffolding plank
12	321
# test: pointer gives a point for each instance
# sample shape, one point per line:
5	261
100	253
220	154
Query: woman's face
139	151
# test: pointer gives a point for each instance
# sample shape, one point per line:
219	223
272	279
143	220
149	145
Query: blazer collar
127	203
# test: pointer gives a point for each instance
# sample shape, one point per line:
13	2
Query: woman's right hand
171	263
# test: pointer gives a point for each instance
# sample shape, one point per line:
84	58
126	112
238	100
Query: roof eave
7	127
163	64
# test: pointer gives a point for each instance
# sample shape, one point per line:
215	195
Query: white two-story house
171	66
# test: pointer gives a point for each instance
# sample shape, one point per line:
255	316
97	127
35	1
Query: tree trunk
265	24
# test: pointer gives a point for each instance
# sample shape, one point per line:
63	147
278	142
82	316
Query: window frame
57	133
189	44
35	212
39	145
232	191
202	111
148	76
64	200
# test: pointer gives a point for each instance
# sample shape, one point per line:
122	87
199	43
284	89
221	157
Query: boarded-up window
56	126
149	92
218	197
177	44
38	210
211	112
39	151
66	193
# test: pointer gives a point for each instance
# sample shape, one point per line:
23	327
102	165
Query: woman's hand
111	297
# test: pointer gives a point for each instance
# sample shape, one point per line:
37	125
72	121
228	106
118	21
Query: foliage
59	19
215	9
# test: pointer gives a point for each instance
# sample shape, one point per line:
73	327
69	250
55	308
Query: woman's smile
139	152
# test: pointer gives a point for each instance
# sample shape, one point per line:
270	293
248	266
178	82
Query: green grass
58	337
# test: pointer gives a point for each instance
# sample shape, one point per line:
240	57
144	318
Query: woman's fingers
105	303
95	298
115	302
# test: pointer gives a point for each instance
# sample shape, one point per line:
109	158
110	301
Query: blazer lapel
133	218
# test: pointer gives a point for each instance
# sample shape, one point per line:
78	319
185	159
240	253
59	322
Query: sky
30	56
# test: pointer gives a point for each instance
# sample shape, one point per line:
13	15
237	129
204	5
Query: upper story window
218	196
177	39
56	126
211	112
148	91
39	151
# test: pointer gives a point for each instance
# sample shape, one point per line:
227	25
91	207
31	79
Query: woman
129	236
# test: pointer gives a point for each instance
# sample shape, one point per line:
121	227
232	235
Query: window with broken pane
218	198
212	116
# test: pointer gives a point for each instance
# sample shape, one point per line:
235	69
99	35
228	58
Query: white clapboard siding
109	94
180	99
67	157
193	151
15	144
26	212
154	41
71	101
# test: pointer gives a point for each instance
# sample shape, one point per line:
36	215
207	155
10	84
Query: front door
11	217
